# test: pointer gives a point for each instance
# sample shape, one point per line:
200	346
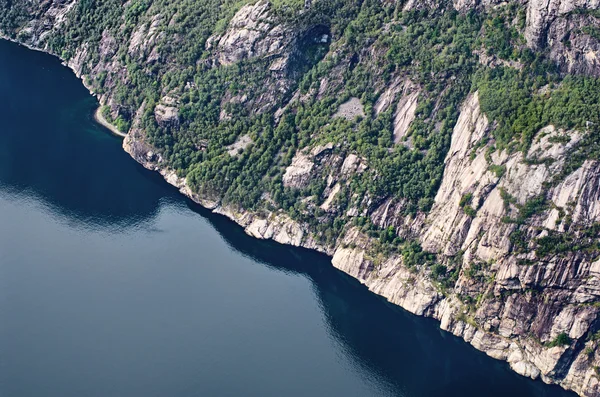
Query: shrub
439	270
561	339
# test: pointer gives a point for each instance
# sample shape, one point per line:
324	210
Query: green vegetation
589	351
577	240
533	206
13	15
498	170
500	37
474	271
561	339
465	200
465	204
373	46
513	98
592	31
518	240
413	255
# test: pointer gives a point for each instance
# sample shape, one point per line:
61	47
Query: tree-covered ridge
147	53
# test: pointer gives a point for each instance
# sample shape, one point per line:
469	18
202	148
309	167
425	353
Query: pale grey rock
350	109
144	38
540	13
353	164
404	115
78	61
386	98
448	223
166	115
252	33
571	45
420	4
582	377
352	261
326	206
39	27
298	173
108	45
242	143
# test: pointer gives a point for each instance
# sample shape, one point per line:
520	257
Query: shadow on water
409	353
102	187
48	133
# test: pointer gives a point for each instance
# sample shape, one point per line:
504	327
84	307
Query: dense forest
368	45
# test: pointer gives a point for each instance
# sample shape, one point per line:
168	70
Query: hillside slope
446	154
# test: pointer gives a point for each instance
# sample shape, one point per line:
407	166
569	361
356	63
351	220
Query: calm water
112	284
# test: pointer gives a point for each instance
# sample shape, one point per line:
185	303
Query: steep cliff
446	154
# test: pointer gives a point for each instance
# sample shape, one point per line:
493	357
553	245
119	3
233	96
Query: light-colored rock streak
404	116
448	224
251	33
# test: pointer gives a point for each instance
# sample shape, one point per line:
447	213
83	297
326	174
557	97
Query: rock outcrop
523	302
561	26
350	109
53	16
166	113
565	27
252	32
405	112
519	303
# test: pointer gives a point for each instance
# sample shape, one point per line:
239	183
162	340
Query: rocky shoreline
507	301
415	292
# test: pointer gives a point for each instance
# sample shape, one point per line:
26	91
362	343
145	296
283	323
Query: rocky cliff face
521	302
558	25
507	303
252	33
48	15
514	294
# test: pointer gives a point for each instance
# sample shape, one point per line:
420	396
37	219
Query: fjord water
113	284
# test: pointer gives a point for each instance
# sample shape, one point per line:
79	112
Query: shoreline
281	229
99	118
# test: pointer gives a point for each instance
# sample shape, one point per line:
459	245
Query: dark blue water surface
113	284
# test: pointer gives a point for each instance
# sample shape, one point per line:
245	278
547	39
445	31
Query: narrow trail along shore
99	117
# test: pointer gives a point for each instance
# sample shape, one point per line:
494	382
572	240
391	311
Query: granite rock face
556	24
508	300
541	14
562	26
50	15
251	33
523	302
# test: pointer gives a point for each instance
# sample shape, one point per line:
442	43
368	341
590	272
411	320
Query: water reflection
52	155
408	354
48	135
